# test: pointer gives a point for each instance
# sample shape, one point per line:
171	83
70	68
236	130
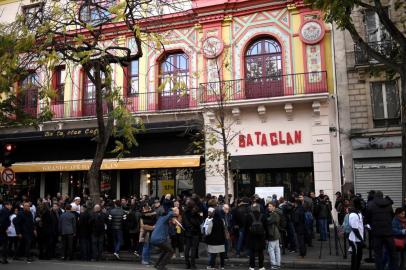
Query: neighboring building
282	99
369	110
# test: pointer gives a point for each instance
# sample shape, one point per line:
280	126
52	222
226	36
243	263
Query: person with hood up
379	215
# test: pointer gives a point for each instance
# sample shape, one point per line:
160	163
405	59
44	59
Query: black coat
255	242
191	222
240	215
299	220
84	229
97	223
217	236
55	223
24	224
379	216
116	216
5	222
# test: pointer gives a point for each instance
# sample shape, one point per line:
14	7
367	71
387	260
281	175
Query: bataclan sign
270	138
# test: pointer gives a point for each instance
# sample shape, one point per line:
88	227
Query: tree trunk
103	136
225	160
403	121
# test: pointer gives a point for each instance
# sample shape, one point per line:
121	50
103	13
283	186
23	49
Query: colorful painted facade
280	78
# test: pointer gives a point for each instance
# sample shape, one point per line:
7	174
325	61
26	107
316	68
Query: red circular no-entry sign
8	176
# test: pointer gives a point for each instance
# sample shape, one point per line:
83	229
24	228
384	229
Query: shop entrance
292	179
170	181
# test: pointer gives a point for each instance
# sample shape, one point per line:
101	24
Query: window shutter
377	101
392	100
371	26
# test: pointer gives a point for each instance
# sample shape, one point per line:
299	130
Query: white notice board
267	192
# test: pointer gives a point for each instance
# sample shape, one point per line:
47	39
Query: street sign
8	176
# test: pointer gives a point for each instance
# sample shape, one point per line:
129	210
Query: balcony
143	102
387	48
265	87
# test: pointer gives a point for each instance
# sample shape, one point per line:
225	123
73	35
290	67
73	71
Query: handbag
399	243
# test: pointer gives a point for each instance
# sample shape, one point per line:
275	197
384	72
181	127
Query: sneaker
251	268
144	263
292	251
136	254
263	268
117	256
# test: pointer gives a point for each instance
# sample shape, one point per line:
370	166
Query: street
76	265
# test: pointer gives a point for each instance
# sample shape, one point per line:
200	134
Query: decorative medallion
312	31
212	47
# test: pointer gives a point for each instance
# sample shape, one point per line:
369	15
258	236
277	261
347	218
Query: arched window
263	69
174	73
263	59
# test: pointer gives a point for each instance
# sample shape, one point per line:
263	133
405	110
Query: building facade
280	98
369	109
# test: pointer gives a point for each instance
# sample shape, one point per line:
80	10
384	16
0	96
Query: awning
273	161
109	164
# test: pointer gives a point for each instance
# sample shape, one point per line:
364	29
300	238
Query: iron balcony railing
142	102
264	87
244	89
387	48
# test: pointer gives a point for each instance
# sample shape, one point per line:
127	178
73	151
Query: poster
267	192
167	187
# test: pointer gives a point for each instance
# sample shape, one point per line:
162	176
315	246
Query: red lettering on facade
249	140
289	139
298	136
281	140
241	140
273	138
263	141
258	134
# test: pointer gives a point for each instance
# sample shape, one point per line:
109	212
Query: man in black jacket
25	229
116	217
191	220
240	214
97	226
5	213
379	216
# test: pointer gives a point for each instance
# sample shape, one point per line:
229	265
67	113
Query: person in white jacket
12	235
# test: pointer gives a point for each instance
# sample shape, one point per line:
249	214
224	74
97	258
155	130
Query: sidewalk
289	260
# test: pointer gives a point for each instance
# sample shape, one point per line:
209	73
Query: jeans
191	243
212	259
97	246
166	255
67	244
260	254
323	229
302	244
240	243
379	244
84	243
146	251
274	252
356	255
291	236
117	240
4	243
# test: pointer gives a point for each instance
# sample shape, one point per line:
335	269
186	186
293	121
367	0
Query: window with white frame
385	103
33	15
375	31
132	88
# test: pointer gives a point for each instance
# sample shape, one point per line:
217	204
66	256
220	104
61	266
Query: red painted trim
323	31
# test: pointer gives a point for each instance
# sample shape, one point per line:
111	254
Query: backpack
308	218
257	228
346	224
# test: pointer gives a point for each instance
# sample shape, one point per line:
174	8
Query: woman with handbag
399	233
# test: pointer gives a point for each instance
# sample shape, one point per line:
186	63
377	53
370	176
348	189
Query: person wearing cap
76	205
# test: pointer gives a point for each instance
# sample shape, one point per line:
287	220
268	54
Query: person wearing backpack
273	235
255	227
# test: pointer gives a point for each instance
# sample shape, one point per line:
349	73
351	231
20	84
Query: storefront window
292	180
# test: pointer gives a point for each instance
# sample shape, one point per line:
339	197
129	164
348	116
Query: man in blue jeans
116	217
159	238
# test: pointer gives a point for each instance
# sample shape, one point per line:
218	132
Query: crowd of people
61	227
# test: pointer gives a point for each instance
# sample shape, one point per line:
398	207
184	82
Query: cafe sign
71	133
